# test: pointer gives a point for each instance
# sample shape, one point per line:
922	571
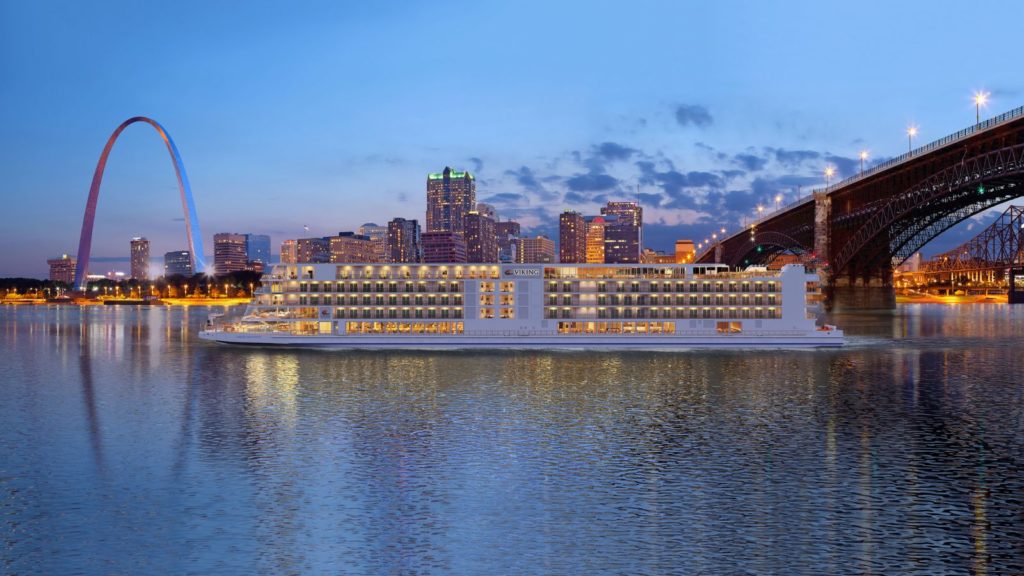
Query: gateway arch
195	239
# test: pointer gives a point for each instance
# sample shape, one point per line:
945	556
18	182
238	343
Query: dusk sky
331	114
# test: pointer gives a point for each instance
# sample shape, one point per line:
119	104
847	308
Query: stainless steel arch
195	239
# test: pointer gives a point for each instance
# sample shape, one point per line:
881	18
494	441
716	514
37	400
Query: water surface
129	446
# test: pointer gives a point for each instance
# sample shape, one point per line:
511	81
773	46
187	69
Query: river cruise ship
453	306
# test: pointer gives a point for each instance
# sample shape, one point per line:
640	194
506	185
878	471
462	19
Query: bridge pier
872	293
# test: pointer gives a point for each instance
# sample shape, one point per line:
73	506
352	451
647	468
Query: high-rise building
623	237
507	233
404	244
140	259
62	269
351	247
313	250
257	249
378	235
229	253
685	252
178	263
539	250
450	196
595	240
572	237
481	239
289	252
440	247
651	256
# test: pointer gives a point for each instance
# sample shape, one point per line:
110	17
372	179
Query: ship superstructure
529	305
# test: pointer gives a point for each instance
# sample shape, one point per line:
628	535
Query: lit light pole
863	157
911	132
778	202
829	172
980	99
760	210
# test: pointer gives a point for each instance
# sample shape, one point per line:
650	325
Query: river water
127	446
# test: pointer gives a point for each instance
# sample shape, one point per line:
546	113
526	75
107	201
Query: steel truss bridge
988	255
859	229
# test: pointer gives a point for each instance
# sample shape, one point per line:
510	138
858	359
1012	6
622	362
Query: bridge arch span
762	248
913	218
195	239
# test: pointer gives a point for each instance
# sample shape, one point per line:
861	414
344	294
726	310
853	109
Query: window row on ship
643	286
510	312
509	286
667	299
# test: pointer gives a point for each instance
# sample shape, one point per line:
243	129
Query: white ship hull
822	338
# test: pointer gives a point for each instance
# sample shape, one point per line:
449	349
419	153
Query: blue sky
331	114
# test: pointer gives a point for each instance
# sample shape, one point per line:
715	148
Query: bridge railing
915	153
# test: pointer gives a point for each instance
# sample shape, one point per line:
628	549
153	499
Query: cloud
478	165
613	151
792	158
507	198
591	182
525	177
693	115
750	162
846	166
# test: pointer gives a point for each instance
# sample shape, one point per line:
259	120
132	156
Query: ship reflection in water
130	446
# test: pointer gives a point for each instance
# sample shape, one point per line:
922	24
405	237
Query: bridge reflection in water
857	230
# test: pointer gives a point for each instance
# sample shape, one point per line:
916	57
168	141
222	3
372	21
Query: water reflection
899	454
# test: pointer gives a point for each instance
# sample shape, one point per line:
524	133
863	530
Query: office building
378	235
450	196
178	263
229	253
595	240
539	250
440	247
572	237
404	244
289	252
481	239
257	248
351	247
139	259
313	250
507	234
62	269
623	237
685	252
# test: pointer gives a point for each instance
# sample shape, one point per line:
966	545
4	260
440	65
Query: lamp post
863	157
980	99
778	202
911	132
829	172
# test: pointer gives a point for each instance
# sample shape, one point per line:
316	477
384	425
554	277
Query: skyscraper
595	240
623	237
313	250
289	252
378	235
481	240
487	210
140	259
177	263
350	247
229	253
539	250
441	247
450	196
507	233
685	252
404	244
257	249
62	269
572	237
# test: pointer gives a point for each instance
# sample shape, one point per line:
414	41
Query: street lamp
778	202
863	157
911	132
980	99
760	210
829	172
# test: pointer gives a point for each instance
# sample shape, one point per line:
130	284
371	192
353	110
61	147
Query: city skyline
705	142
